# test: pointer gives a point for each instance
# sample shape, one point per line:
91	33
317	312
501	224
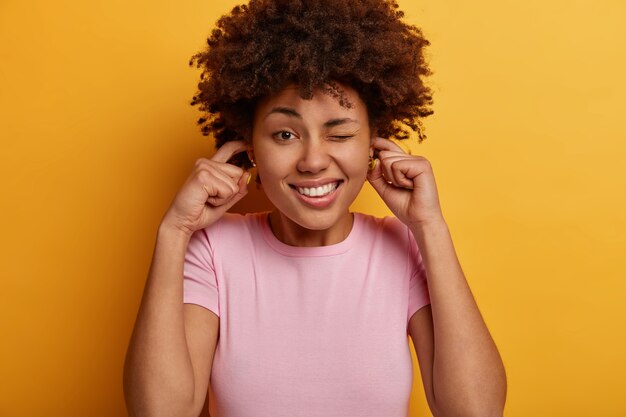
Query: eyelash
278	134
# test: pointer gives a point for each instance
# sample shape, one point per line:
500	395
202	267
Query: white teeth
318	191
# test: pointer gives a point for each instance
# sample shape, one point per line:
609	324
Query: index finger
386	145
227	150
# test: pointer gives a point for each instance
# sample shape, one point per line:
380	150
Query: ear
250	153
247	139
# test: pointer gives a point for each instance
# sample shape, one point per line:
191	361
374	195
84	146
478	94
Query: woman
306	310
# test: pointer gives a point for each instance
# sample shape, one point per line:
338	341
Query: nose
314	157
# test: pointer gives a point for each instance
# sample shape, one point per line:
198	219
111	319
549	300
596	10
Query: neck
292	234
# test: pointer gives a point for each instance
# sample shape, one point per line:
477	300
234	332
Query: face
312	155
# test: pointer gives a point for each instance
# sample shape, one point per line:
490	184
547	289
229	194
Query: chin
313	219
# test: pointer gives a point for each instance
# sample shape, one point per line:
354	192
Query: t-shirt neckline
306	251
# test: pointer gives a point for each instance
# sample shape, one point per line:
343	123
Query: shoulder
233	226
388	225
236	222
388	229
239	221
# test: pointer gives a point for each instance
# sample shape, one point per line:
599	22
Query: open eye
284	135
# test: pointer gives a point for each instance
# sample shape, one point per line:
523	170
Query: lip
316	183
317	202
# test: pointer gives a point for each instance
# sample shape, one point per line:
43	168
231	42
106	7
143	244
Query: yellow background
527	145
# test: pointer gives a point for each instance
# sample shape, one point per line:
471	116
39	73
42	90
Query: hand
406	184
213	187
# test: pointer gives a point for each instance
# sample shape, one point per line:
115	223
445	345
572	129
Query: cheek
273	167
356	161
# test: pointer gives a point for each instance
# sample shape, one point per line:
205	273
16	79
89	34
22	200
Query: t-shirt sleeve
418	284
200	282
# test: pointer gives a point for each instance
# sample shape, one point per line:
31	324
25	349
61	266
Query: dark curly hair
261	47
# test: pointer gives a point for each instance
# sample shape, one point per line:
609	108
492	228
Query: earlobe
251	156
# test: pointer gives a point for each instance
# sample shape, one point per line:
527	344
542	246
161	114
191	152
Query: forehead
321	106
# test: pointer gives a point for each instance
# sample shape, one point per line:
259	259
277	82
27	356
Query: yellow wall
527	145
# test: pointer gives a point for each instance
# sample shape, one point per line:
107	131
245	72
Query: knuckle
201	161
204	176
238	170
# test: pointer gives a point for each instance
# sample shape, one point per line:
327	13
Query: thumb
375	177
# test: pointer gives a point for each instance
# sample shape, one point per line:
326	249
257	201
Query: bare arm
460	364
461	367
169	357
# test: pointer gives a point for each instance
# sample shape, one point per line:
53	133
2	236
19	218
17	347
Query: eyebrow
288	111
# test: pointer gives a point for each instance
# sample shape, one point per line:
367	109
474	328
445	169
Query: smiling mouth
321	191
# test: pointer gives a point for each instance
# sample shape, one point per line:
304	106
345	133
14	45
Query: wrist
429	231
171	231
432	224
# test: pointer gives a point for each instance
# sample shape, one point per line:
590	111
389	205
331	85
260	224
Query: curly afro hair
261	47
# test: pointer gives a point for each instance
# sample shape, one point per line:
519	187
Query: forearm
468	374
158	374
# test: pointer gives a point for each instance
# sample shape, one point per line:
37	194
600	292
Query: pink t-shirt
308	331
